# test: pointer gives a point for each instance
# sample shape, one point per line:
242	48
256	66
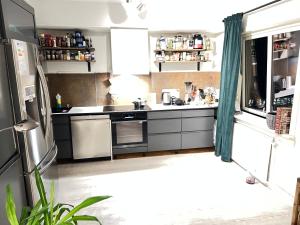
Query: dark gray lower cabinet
182	129
198	139
13	176
164	126
197	123
62	136
158	142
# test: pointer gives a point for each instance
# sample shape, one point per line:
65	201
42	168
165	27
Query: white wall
280	14
85	14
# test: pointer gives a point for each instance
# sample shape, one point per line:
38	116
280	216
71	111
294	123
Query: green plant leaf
51	205
11	207
60	213
85	218
42	192
84	204
33	211
24	215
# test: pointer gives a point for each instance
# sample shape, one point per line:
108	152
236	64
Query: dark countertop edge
110	112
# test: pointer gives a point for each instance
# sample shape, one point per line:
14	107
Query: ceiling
175	15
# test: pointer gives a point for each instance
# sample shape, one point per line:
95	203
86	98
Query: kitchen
149	88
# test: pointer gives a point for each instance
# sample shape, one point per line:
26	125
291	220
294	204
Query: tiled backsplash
91	89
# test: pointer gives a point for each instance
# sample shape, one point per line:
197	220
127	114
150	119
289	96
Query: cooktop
124	108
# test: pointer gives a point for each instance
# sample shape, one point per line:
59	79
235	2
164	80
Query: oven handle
129	121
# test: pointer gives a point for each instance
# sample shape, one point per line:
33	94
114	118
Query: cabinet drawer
125	150
164	126
196	113
64	150
199	139
164	115
159	142
197	123
61	131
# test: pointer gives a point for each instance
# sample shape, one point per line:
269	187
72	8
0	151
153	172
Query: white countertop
86	109
176	107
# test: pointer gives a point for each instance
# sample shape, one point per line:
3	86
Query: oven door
132	133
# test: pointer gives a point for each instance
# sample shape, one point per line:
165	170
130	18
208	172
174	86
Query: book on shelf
283	120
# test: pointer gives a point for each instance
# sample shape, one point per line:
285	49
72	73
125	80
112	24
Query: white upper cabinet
130	51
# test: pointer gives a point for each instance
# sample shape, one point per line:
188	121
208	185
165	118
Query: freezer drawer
91	136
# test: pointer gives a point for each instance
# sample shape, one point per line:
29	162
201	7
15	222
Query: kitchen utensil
166	98
179	101
139	103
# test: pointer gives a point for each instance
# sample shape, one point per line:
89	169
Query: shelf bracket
198	66
89	66
159	66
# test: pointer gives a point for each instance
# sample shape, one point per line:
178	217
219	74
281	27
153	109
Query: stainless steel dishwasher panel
91	136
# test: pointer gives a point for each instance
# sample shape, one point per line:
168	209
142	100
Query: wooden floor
161	153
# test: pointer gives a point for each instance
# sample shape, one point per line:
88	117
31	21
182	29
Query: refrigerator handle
49	163
47	98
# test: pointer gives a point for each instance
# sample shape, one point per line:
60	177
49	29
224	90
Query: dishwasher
91	136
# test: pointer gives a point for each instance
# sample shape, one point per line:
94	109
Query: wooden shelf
68	48
184	61
181	50
280	50
281	39
69	61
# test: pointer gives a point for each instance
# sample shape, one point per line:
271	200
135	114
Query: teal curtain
229	78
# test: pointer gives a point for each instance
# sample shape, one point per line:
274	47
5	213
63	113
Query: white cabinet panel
284	168
251	149
130	51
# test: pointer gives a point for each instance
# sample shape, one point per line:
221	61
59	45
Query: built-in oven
129	132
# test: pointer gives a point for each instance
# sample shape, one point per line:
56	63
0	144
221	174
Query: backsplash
92	89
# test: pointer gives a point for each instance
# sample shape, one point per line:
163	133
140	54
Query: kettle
166	98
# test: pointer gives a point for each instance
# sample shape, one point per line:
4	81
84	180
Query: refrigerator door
8	147
33	99
13	176
49	174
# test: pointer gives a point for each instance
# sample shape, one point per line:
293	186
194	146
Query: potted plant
46	211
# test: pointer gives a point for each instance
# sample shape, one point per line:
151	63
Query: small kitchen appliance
170	97
188	91
166	98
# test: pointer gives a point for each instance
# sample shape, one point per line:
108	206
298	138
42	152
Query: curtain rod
262	6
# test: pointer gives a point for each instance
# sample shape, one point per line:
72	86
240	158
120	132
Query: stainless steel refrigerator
29	93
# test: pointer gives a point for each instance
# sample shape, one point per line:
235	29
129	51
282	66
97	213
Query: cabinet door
197	123
196	113
64	149
164	126
130	51
199	139
251	149
158	142
284	168
164	115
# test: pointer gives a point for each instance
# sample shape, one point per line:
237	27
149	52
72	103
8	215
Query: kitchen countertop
148	108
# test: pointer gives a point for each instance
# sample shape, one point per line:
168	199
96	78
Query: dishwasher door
91	136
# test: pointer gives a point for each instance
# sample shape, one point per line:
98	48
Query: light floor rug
184	189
